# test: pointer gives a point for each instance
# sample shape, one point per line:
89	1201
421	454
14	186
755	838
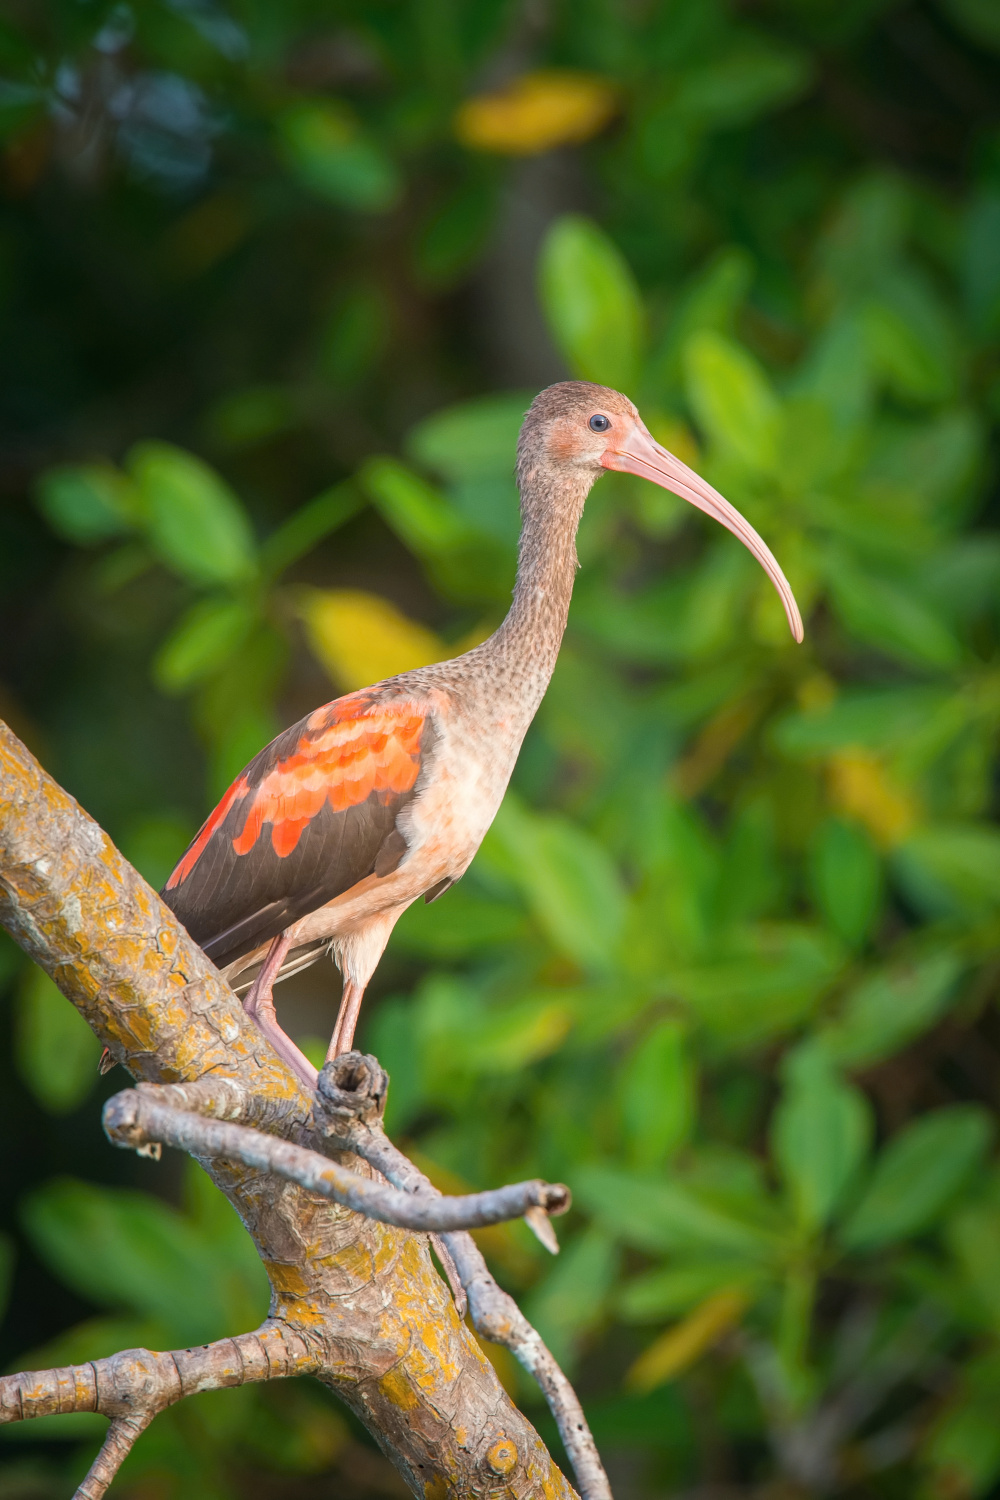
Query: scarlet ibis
340	823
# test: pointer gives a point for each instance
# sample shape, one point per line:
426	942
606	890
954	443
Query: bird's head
573	431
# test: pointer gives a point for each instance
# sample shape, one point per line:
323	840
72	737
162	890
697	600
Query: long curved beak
641	454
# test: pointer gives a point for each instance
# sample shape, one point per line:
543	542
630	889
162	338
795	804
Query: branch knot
351	1090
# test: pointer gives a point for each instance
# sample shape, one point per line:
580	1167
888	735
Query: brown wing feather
312	814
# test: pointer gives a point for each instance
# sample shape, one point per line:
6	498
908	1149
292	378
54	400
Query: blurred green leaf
202	642
657	1095
473	440
196	523
962	1448
711	300
507	1040
748	78
949	870
417	512
251	415
330	154
914	366
572	885
981	257
861	246
455	233
892	618
758	984
355	335
88	503
128	1250
473	446
571	1299
837	372
675	1289
750	878
889	1008
654	1216
591	302
978	18
155	843
820	1132
932	461
308	526
917	1175
973	1235
876	719
459	924
731	399
847	879
57	1053
60	1427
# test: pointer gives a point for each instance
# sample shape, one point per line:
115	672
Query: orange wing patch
344	764
236	793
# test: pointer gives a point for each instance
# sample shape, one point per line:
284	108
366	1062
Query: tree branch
134	1386
350	1102
134	1118
358	1301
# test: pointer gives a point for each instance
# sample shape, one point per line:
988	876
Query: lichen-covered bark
360	1299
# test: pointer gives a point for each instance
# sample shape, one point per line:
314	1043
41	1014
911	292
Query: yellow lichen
395	1387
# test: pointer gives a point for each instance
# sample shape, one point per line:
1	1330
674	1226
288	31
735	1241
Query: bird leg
259	1005
347	1019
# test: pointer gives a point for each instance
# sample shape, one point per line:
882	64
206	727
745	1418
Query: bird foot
262	1012
259	1006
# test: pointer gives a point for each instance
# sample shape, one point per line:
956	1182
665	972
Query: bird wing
314	813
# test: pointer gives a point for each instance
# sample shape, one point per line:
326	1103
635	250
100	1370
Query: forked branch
135	1118
355	1300
350	1102
134	1386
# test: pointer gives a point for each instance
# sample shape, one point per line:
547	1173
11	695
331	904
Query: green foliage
195	1276
917	1175
57	1052
196	524
592	303
330	155
658	1095
731	399
821	1131
725	964
847	879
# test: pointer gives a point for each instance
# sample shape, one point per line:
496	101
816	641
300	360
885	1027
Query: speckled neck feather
546	568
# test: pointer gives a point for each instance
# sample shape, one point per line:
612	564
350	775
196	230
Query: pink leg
347	1019
259	1005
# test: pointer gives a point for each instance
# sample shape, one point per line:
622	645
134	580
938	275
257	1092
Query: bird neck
527	643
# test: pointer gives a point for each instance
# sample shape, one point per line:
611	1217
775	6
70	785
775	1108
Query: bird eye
599	423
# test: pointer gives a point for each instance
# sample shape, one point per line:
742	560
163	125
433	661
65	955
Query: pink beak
640	454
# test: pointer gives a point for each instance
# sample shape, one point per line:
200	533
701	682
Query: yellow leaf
536	112
360	638
681	1345
860	786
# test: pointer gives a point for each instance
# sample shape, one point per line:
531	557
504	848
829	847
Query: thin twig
450	1269
115	1449
350	1101
134	1120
